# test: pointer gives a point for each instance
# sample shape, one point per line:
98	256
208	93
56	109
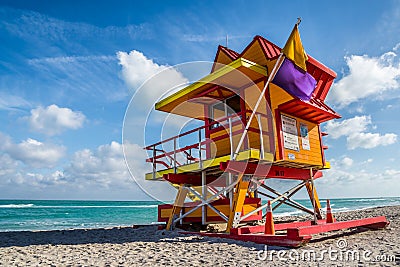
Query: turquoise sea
21	215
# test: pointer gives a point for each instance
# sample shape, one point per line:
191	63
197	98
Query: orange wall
312	156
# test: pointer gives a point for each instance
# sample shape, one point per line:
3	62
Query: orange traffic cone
269	221
329	215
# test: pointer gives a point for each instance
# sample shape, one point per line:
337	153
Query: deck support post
238	201
204	195
230	192
177	207
312	193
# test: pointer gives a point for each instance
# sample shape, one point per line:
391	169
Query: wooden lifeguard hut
254	130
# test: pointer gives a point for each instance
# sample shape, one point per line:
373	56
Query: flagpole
277	65
298	21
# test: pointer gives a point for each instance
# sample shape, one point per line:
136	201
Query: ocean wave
7	206
369	199
341	209
84	207
288	213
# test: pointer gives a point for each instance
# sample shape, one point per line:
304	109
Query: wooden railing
195	152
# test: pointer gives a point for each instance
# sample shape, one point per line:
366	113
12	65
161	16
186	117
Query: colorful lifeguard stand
217	183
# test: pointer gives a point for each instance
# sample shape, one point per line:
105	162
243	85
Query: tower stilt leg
238	200
312	193
177	207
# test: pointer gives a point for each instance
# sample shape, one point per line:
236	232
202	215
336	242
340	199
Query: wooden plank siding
312	156
255	53
222	147
222	59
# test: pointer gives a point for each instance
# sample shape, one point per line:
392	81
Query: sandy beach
147	246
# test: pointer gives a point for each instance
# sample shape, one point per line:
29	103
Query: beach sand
147	246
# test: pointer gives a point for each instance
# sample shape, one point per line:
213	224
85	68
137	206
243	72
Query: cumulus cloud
137	69
7	165
90	173
358	180
346	127
393	173
356	136
32	165
32	152
104	166
367	77
54	120
347	162
370	140
42	180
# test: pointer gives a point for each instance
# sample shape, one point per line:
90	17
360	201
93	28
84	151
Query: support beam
185	178
209	205
238	200
204	196
290	203
266	170
207	201
312	193
178	204
230	192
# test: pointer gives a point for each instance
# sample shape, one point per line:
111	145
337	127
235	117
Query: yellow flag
294	50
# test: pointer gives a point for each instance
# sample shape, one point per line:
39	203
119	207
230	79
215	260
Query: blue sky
67	74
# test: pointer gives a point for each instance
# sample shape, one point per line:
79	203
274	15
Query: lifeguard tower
253	131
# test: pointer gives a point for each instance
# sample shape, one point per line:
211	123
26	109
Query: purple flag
295	80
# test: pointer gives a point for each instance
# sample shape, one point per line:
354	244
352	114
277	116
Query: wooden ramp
297	233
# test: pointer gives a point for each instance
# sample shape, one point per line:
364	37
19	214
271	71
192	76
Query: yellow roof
237	74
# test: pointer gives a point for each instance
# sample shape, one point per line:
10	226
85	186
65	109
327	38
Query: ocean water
22	215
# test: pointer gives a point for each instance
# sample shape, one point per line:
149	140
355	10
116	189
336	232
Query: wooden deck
212	166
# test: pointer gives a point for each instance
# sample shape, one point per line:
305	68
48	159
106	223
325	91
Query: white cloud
370	140
215	38
347	162
393	173
368	77
149	82
8	101
7	165
346	127
69	59
103	166
34	26
356	136
358	181
32	152
54	120
63	56
90	174
160	79
91	75
42	180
